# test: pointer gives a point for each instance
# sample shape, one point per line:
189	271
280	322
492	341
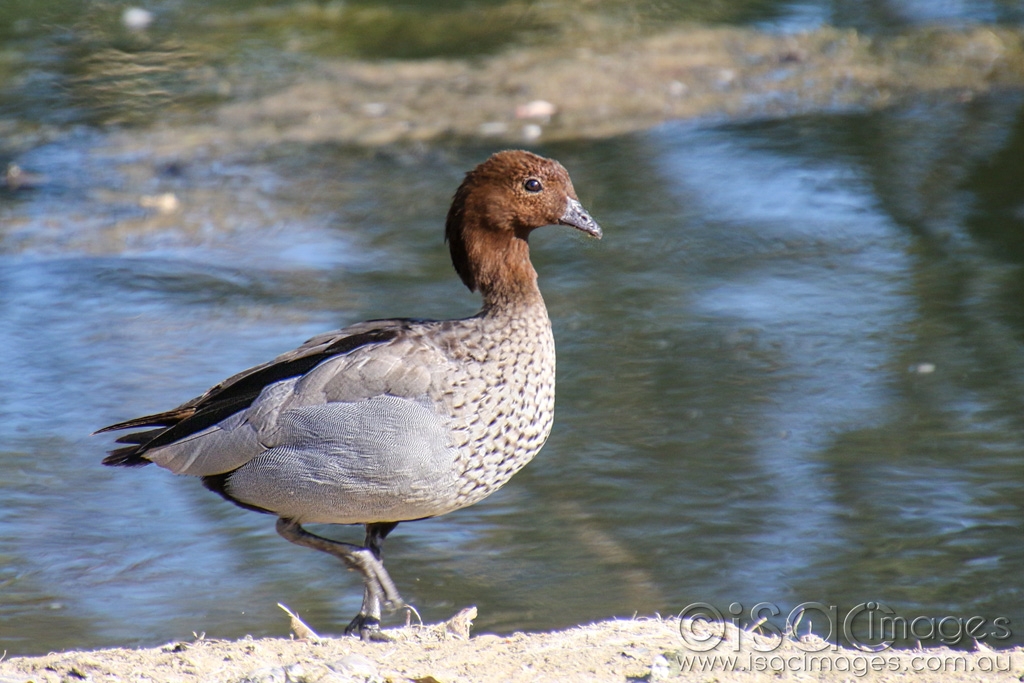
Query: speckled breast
502	398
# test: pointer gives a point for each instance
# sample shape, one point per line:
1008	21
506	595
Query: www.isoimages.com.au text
856	665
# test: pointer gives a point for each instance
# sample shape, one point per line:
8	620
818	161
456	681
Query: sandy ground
640	649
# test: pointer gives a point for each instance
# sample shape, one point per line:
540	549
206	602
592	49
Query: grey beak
576	216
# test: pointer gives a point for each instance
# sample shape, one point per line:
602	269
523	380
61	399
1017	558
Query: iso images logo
868	627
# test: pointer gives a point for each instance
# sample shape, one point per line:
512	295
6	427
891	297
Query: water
792	371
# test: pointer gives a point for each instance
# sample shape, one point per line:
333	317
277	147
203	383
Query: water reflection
896	388
791	372
816	282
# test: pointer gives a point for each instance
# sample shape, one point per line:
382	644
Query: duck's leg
378	588
367	622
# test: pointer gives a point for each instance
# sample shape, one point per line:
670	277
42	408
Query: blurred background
792	371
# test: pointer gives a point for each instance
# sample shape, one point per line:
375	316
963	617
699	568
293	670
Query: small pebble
354	665
537	109
273	674
293	673
17	178
136	18
660	668
460	624
532	131
492	128
726	77
164	203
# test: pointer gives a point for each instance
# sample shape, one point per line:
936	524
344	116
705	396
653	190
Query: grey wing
238	392
358	438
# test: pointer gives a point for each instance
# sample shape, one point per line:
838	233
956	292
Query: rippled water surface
792	371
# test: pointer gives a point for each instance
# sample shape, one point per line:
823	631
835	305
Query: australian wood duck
391	420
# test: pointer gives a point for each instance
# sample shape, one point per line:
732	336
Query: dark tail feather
129	456
141	437
171	417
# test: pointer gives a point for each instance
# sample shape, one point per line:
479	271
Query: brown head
498	205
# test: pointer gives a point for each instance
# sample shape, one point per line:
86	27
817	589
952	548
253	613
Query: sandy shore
640	649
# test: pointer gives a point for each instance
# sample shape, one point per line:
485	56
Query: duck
391	420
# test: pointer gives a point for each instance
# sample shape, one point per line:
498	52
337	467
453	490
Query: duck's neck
504	275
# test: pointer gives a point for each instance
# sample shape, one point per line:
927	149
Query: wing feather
239	391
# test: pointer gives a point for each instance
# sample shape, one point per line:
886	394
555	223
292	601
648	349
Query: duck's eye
533	185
